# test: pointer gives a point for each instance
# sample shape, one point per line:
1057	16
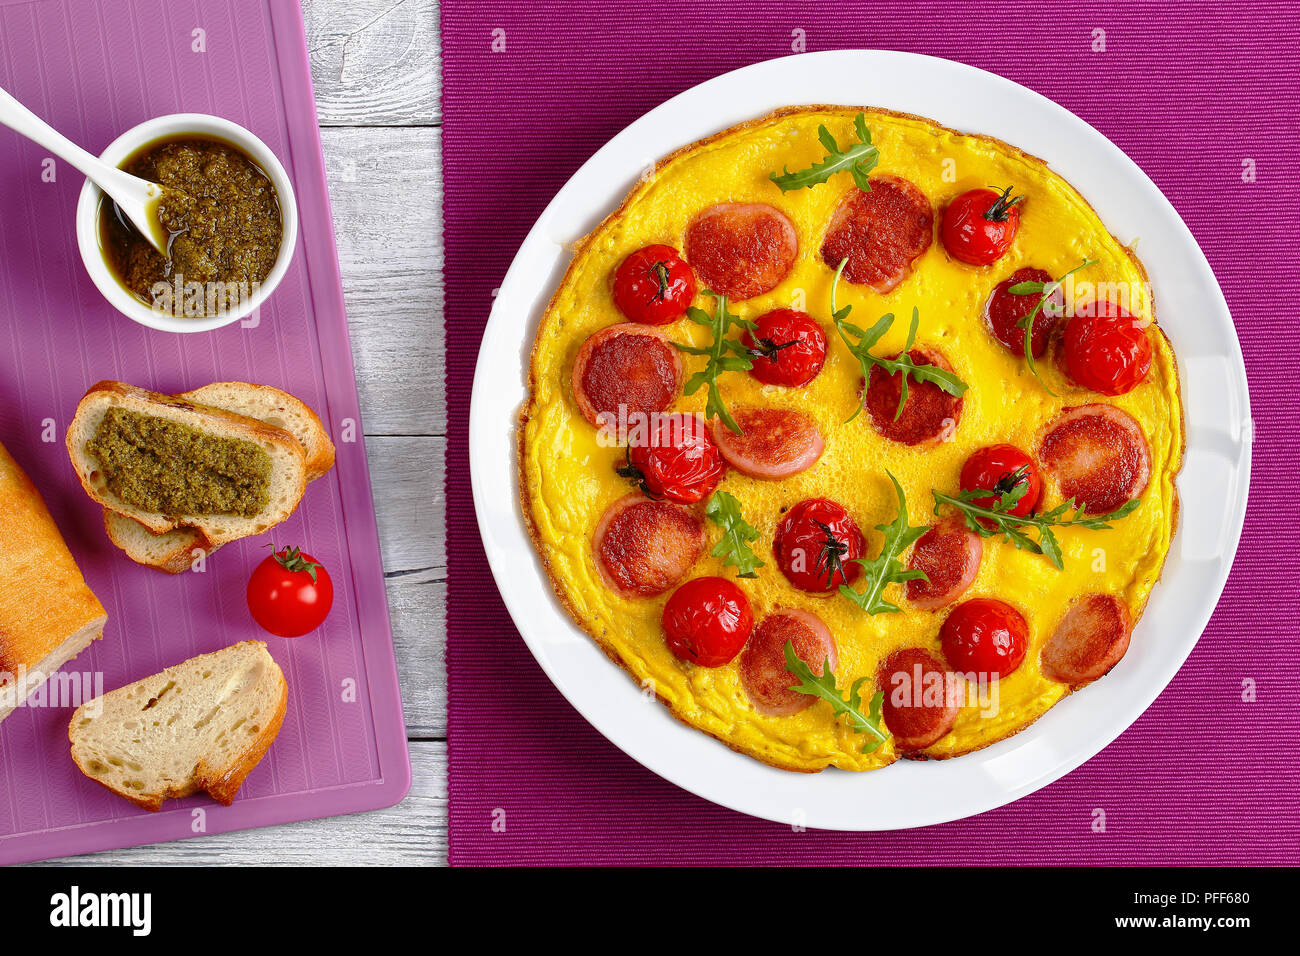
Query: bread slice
201	725
48	615
288	477
175	551
275	407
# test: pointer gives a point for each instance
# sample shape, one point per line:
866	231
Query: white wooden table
376	68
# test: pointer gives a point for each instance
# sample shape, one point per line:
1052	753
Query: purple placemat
94	68
1198	95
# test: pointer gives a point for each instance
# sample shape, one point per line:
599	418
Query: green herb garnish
724	510
724	355
1046	291
860	722
946	380
859	159
887	568
1012	526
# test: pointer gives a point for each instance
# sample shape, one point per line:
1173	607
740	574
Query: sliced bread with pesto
169	462
176	551
201	725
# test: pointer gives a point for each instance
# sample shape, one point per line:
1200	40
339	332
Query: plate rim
488	367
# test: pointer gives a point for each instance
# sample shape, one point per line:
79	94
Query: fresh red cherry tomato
791	347
676	460
290	593
984	636
1110	354
1006	308
978	225
817	546
707	621
1000	468
654	285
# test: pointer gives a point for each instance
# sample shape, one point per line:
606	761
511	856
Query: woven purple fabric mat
1190	92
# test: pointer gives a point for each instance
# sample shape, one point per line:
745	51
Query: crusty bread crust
579	251
48	614
289	473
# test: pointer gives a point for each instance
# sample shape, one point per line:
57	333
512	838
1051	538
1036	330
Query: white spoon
136	197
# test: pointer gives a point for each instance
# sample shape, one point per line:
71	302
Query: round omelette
1020	603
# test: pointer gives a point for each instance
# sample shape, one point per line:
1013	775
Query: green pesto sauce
170	468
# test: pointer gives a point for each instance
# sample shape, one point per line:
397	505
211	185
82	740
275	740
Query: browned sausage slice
1089	641
922	698
741	250
1098	456
882	233
776	442
762	663
949	554
645	547
626	365
930	414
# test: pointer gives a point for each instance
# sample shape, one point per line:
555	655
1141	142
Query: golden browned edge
581	247
221	787
255	431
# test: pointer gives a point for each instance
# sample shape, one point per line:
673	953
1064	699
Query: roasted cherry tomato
817	546
707	621
290	593
789	348
1110	353
654	285
1000	468
984	636
676	460
978	225
1004	309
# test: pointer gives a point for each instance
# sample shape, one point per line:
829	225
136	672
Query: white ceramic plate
1213	485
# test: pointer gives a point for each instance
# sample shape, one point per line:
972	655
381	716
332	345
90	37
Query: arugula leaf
724	510
859	159
724	355
945	379
887	568
860	722
1047	290
1065	515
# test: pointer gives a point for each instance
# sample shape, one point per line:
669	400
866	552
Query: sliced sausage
626	367
1098	456
776	442
1089	641
741	250
882	232
762	663
922	698
930	414
645	547
949	554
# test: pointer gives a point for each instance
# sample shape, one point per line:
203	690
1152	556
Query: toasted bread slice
288	477
275	407
200	725
175	551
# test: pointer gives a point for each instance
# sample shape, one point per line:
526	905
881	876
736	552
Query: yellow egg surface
568	476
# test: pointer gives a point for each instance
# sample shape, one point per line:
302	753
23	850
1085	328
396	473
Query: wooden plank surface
375	67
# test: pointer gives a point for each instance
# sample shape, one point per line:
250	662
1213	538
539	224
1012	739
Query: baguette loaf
201	725
175	551
47	613
288	475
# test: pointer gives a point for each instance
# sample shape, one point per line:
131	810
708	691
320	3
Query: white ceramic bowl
1213	484
126	144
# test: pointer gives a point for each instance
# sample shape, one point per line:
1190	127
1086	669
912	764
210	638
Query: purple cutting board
94	68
